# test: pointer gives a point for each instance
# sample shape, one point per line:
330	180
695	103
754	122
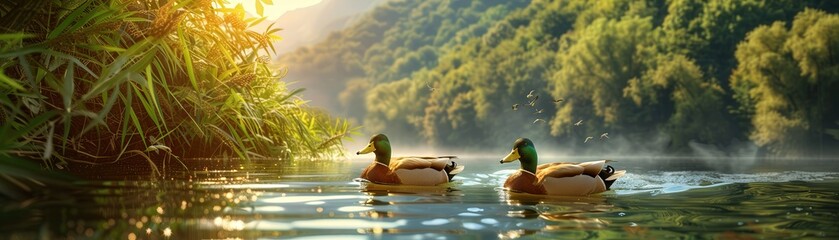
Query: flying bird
538	111
515	107
588	139
558	100
429	87
533	102
530	95
538	120
604	136
578	123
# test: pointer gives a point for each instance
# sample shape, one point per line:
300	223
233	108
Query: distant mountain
312	24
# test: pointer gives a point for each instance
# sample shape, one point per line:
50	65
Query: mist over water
648	153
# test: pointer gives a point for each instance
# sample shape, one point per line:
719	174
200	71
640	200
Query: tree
593	72
788	77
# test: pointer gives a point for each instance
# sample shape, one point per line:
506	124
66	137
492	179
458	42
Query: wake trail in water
667	182
673	182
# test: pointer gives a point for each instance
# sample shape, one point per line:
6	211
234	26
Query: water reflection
558	213
383	190
304	199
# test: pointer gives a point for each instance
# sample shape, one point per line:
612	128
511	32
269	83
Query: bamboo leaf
67	90
116	70
79	11
99	118
146	105
187	59
33	124
105	48
10	82
87	18
21	52
137	125
283	99
257	21
15	36
48	148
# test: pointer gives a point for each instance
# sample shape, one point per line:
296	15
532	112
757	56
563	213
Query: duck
413	170
560	178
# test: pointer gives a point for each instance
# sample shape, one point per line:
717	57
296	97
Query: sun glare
273	11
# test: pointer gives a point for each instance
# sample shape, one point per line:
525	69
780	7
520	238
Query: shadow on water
275	199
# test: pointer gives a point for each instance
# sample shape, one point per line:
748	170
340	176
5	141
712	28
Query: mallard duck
420	171
565	179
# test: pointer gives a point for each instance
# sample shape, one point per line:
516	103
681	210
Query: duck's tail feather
456	170
616	175
453	169
609	175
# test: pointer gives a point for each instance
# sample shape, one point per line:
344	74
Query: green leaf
105	48
146	104
33	124
15	36
137	125
48	148
259	8
10	82
100	117
79	11
117	71
19	52
69	85
190	71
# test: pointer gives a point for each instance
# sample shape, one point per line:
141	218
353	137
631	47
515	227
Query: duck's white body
416	171
582	185
422	177
562	179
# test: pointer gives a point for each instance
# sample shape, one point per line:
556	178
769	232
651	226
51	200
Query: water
322	199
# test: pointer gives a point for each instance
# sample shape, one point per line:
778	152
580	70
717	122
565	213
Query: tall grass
98	81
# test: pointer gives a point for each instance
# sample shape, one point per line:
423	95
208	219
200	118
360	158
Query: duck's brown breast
524	182
378	173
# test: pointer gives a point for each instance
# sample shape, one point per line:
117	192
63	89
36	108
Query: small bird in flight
515	107
429	87
588	139
530	95
558	100
533	102
538	120
578	123
604	136
538	111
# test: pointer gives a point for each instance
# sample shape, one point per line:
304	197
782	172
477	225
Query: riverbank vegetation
95	82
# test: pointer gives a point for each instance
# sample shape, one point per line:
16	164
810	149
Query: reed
98	81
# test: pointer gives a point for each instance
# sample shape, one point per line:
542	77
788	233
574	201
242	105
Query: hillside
685	76
312	24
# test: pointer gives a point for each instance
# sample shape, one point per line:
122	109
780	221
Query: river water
273	199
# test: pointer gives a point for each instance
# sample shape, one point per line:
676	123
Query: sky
275	10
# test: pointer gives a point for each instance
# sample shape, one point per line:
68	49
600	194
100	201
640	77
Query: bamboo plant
98	81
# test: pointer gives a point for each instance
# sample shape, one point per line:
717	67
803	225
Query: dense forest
667	76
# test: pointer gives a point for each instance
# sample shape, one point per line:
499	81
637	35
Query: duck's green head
524	151
380	146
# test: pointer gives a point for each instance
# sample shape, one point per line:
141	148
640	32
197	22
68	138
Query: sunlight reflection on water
298	199
325	202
